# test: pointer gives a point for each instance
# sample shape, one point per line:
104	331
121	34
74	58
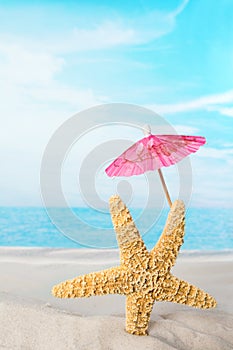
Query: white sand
30	318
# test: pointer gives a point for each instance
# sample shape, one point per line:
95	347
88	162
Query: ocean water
206	228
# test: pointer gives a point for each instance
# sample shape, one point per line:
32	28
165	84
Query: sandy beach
31	318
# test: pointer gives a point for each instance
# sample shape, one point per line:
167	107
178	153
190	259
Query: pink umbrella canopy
152	153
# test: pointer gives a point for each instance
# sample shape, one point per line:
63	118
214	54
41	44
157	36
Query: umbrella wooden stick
165	187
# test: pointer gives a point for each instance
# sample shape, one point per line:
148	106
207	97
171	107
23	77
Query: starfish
143	277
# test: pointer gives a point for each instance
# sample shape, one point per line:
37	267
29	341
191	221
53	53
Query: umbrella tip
146	129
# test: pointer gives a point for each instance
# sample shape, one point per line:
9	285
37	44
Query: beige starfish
142	276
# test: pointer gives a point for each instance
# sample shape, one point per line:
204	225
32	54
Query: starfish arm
182	292
133	252
143	277
166	250
110	281
138	310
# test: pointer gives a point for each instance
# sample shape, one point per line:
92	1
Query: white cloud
24	66
138	30
186	130
228	144
111	32
63	94
29	76
222	154
208	103
33	105
180	8
227	111
108	34
212	178
29	67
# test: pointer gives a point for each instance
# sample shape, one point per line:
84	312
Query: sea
207	229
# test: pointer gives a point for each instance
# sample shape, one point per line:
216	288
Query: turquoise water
206	229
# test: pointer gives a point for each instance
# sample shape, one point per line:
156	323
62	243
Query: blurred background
58	58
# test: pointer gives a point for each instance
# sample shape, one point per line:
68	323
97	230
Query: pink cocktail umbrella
152	153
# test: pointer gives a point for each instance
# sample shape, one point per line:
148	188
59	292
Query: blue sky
60	57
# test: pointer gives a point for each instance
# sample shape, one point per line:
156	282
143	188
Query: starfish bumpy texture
143	277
